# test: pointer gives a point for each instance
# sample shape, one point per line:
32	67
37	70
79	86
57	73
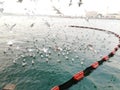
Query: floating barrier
81	74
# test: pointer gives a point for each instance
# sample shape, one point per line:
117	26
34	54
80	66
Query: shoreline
60	16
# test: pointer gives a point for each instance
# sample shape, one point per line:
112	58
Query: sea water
58	52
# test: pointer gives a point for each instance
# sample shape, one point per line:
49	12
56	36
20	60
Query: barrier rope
81	74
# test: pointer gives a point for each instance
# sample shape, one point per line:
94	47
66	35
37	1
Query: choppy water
58	52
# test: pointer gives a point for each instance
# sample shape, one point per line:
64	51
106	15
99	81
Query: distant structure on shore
94	14
113	16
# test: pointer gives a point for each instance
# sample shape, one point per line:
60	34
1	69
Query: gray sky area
46	6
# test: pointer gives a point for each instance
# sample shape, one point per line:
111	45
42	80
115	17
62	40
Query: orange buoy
105	58
78	76
95	65
55	88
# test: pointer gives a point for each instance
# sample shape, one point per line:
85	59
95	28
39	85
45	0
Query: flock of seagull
48	51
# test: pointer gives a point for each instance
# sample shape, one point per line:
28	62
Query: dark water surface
58	52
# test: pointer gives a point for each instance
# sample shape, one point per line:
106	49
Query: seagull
33	62
45	50
22	56
24	60
73	59
66	57
59	61
2	2
63	54
14	61
41	56
12	27
47	60
77	57
20	1
49	52
70	3
92	50
30	50
17	47
4	51
24	64
87	19
47	23
10	43
81	63
80	3
32	25
67	52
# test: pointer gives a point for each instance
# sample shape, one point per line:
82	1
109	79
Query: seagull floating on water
14	61
24	64
10	43
33	62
